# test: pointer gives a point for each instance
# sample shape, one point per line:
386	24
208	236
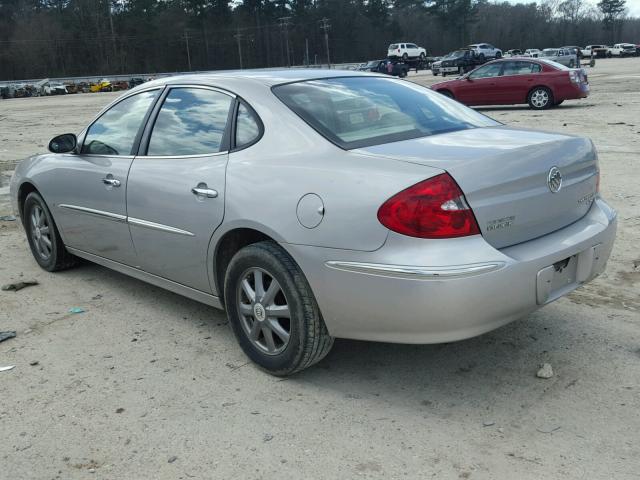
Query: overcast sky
632	5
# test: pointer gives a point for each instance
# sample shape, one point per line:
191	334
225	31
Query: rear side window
114	133
192	121
520	68
355	112
247	127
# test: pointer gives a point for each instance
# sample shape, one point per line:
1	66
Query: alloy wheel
264	311
40	232
540	98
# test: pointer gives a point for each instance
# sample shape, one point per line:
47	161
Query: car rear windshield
393	46
356	112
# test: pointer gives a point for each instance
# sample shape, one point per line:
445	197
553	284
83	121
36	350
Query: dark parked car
540	83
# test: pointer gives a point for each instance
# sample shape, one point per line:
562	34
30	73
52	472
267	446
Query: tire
498	54
446	93
422	57
405	56
43	236
481	57
403	73
435	74
540	98
308	340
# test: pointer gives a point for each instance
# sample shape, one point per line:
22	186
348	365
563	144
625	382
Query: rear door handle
203	190
109	180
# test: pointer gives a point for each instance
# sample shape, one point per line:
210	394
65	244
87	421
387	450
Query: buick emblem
554	180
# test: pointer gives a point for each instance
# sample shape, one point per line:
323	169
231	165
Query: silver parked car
318	204
565	56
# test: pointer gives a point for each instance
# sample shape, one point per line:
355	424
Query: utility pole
306	52
113	34
186	41
238	36
324	25
284	25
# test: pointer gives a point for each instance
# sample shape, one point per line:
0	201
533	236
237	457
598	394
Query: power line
186	41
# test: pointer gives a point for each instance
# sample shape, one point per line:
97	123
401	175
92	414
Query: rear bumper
433	291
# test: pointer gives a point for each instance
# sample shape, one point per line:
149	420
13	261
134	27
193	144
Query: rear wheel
273	312
540	98
422	57
43	236
498	54
446	93
405	56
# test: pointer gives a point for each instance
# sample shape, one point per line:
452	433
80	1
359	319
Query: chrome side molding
416	273
100	213
130	220
158	226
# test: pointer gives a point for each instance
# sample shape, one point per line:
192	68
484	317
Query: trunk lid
504	173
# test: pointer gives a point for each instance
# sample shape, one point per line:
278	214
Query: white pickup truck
622	50
405	51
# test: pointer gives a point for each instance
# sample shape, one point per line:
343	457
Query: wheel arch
24	190
230	242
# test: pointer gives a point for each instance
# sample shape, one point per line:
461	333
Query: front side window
486	71
114	133
247	127
355	112
192	121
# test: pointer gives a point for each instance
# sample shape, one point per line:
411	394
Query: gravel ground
149	385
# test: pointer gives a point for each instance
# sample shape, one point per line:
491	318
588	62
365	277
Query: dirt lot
149	385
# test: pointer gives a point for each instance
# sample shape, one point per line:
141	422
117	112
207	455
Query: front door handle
109	180
203	190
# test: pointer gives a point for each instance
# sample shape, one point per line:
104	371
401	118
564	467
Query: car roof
266	77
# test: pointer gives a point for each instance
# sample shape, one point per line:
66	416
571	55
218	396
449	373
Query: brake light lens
434	208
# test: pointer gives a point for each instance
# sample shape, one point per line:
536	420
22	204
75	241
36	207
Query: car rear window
355	112
393	46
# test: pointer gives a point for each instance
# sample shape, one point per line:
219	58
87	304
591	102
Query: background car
486	50
406	51
623	50
370	66
513	53
560	55
532	52
541	84
595	50
574	50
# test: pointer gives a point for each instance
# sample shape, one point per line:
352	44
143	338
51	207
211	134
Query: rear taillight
574	76
434	208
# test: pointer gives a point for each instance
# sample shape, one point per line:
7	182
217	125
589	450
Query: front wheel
273	312
540	98
498	54
43	236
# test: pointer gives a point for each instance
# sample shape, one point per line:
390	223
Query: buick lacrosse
317	204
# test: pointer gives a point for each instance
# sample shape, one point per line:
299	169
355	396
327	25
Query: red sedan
538	82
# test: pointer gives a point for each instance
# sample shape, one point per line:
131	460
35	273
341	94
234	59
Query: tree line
53	38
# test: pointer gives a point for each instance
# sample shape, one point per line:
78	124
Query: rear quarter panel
266	181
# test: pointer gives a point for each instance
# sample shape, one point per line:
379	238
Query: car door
176	188
479	87
412	50
90	201
516	80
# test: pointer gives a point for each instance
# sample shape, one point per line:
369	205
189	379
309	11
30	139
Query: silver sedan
314	204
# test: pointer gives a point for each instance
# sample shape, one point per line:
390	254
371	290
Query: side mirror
65	143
